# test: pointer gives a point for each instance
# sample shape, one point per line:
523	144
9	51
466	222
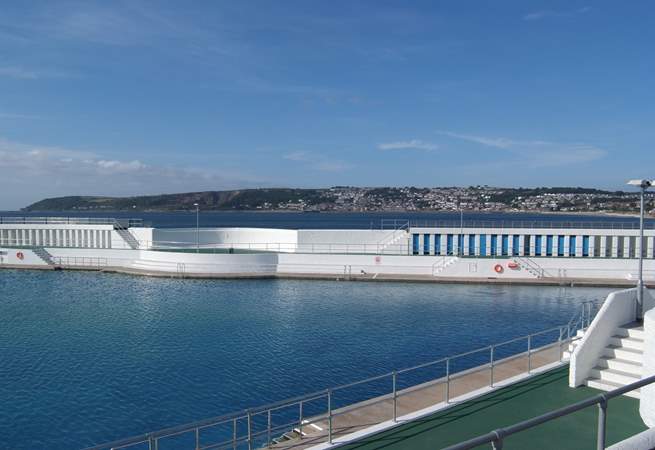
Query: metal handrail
45	220
496	437
588	225
327	394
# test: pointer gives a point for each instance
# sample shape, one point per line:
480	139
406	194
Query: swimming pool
91	357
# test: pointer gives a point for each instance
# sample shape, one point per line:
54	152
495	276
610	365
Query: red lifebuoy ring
20	255
498	268
512	265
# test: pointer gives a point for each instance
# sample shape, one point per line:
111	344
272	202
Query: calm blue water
88	357
319	221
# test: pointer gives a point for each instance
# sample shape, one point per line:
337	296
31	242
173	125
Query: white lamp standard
643	185
197	227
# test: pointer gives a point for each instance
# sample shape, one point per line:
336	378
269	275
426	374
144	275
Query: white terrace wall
619	309
9	256
559	268
202	263
267	239
351	241
647	402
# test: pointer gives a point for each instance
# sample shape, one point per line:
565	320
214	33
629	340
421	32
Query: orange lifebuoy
20	255
512	265
498	268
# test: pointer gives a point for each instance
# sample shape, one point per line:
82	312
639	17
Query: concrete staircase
566	354
621	361
530	266
44	255
443	264
127	237
392	243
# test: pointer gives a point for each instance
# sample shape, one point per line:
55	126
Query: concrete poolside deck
520	401
424	399
588	282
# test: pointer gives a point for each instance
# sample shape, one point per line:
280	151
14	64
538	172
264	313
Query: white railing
278	247
27	220
257	427
77	261
584	225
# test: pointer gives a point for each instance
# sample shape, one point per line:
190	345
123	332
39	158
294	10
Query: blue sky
140	97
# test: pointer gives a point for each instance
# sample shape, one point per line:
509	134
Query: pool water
90	357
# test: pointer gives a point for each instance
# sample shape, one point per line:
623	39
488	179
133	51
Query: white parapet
647	402
619	309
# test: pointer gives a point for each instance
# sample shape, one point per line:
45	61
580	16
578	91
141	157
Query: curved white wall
618	309
647	393
267	239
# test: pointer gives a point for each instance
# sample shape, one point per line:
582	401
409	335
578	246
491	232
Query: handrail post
491	364
152	443
602	423
497	444
234	433
394	376
268	430
447	380
329	399
249	430
197	432
300	419
529	353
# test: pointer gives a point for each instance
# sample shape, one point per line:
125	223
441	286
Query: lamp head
644	184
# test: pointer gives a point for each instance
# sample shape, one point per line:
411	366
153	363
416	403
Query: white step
609	386
632	331
628	354
631	367
627	342
613	375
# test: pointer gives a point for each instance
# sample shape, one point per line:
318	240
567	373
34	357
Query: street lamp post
197	227
643	185
461	231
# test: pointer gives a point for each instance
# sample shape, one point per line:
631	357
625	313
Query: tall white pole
461	231
640	285
197	228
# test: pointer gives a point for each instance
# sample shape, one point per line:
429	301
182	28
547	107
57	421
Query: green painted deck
512	404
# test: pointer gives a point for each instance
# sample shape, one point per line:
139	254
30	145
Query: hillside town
475	198
369	199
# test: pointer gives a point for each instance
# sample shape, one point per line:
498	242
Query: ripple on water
90	357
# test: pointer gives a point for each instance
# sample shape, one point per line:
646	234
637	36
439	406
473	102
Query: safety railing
326	414
80	261
394	224
279	247
29	220
586	225
497	437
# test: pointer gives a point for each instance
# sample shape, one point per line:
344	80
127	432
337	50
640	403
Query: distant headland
346	198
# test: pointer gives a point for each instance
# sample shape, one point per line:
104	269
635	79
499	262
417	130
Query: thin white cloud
536	153
4	115
19	73
414	144
23	73
318	162
42	171
543	14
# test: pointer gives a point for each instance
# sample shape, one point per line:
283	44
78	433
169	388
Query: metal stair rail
531	266
393	237
124	232
44	255
256	427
